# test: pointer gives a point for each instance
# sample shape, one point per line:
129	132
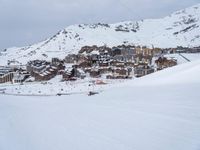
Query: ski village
94	66
89	58
98	65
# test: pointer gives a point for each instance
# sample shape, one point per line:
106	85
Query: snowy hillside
156	112
181	28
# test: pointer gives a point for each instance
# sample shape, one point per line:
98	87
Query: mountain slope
181	28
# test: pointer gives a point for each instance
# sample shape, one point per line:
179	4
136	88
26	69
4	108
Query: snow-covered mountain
181	28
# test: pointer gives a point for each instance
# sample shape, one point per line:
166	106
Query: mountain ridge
181	28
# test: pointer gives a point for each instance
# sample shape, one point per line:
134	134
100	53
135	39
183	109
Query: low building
71	58
36	65
6	74
130	64
7	77
163	62
95	73
56	61
123	53
142	70
119	64
67	75
140	58
48	73
104	70
144	51
20	77
42	70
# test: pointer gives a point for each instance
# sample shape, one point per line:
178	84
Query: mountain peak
181	28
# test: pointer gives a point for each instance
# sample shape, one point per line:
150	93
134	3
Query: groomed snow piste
158	112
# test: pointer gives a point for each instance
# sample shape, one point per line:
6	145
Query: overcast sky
24	22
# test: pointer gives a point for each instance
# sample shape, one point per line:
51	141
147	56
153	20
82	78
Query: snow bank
181	74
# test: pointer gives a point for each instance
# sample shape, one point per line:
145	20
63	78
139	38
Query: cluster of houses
14	74
43	70
120	62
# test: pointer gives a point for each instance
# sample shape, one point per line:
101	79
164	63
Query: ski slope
181	60
157	112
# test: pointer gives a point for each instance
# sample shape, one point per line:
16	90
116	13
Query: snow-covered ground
56	86
157	112
180	59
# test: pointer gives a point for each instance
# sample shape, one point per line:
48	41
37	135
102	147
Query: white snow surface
157	112
181	60
181	28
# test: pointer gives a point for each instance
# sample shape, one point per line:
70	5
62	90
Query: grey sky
24	22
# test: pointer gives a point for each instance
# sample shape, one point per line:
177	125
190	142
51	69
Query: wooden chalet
163	62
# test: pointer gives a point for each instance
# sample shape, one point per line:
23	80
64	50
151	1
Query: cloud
28	21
